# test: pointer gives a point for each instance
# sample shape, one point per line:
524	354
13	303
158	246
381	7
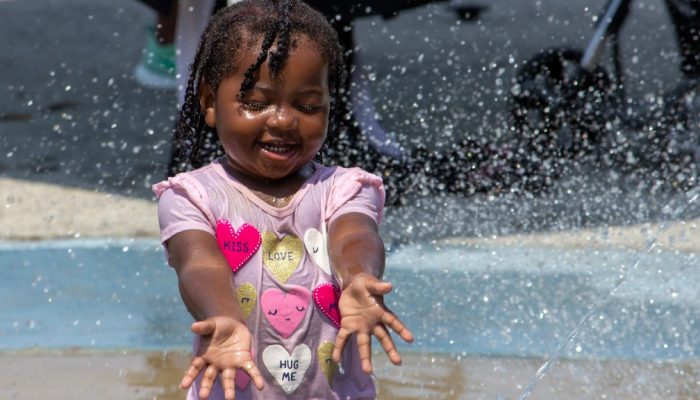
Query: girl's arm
357	255
207	289
204	277
355	247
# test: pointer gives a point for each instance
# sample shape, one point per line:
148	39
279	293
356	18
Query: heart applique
281	257
242	379
285	310
325	360
326	297
287	369
237	246
315	242
247	298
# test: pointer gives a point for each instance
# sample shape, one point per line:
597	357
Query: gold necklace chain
277	202
280	201
274	201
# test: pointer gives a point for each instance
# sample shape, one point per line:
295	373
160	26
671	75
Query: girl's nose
283	118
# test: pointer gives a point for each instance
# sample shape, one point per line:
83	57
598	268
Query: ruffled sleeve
355	190
182	205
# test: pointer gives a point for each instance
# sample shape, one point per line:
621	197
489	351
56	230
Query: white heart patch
287	369
315	243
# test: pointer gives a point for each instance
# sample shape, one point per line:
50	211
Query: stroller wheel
559	109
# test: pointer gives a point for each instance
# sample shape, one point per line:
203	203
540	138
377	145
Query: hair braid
249	75
284	25
190	120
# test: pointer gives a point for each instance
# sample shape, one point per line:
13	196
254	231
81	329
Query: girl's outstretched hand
362	311
224	346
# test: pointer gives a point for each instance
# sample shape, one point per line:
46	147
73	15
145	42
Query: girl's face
280	124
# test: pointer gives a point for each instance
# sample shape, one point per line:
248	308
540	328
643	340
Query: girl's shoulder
351	179
192	181
355	187
342	183
336	175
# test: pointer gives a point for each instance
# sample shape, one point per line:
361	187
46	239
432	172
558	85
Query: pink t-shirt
284	282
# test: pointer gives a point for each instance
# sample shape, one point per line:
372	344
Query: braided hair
238	28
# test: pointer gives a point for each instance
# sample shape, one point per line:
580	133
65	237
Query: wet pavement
90	294
155	375
76	312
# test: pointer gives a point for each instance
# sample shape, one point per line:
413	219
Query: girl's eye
300	308
272	312
252	105
309	109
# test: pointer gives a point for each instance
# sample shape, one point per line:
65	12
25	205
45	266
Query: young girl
278	257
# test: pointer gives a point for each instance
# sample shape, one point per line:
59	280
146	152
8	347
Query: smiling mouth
277	148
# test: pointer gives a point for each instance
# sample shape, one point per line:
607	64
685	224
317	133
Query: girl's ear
206	103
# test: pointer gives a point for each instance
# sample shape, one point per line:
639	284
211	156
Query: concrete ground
155	375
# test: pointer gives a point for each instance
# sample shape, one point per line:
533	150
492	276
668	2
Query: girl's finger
227	381
379	288
387	343
340	341
208	378
390	320
364	346
191	374
251	369
204	328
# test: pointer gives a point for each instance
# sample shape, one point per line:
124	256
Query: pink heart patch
285	310
242	379
238	246
326	297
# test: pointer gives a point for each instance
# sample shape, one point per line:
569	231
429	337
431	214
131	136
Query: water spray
649	245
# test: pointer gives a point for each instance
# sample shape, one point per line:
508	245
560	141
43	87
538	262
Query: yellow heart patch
325	360
281	257
247	298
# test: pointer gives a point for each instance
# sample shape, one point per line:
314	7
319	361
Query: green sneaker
157	66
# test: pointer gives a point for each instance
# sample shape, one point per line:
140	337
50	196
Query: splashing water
593	308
